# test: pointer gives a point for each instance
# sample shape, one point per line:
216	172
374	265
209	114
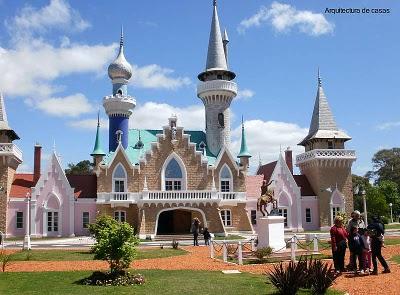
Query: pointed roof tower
97	150
244	152
4	122
120	68
323	124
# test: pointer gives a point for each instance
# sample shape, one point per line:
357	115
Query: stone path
198	259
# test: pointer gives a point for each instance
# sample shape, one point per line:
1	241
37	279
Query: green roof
136	149
244	152
97	150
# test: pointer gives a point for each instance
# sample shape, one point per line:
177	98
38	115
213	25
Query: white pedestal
270	232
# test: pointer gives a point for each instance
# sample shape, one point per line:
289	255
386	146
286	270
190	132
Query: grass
392	241
392	226
396	259
72	255
229	237
157	282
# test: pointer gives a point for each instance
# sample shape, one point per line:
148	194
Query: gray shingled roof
216	55
323	124
3	115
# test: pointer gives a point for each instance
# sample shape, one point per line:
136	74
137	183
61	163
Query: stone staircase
182	237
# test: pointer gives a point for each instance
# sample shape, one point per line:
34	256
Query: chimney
289	159
36	163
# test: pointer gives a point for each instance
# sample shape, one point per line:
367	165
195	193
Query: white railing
179	195
10	149
326	154
117	197
232	196
217	85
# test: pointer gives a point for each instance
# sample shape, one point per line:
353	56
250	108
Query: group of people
196	229
365	245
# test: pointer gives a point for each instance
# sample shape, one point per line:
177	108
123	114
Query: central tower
216	88
119	105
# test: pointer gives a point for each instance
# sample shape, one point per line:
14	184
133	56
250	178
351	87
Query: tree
115	243
386	166
376	202
390	190
82	167
362	183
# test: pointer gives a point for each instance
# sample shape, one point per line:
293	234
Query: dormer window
225	177
330	144
119	92
119	179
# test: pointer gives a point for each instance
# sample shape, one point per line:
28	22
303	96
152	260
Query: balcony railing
10	149
217	85
326	154
178	195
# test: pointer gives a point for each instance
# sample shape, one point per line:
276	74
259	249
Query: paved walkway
198	259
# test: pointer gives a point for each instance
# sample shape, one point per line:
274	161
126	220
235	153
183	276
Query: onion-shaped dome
120	68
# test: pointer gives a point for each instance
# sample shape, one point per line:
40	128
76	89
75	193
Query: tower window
119	92
221	120
330	144
219	77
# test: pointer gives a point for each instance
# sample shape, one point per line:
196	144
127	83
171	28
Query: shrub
321	275
175	244
385	220
28	255
289	279
123	278
5	260
263	252
115	243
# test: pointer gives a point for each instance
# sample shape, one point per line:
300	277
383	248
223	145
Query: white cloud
58	14
69	106
155	76
267	138
245	94
284	17
89	124
388	125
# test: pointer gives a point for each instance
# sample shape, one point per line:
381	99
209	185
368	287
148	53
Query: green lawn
229	237
396	259
66	255
157	282
392	241
392	226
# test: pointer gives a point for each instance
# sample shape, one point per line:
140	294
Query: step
173	237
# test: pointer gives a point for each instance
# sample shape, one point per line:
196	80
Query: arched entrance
177	221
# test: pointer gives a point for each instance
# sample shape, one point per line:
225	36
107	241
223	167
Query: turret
119	105
244	154
97	153
216	89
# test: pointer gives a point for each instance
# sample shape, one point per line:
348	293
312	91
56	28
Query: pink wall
84	205
312	203
13	208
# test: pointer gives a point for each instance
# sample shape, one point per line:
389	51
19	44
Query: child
367	254
356	247
207	236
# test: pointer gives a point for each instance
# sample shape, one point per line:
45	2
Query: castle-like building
158	180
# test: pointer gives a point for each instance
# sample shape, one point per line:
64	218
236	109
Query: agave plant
288	279
322	276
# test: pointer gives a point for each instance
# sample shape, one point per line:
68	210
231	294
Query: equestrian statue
267	197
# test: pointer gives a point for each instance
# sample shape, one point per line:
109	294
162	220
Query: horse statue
267	197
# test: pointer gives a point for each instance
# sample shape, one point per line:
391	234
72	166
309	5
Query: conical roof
97	150
4	122
244	151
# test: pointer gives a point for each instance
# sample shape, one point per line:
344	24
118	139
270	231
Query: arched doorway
177	221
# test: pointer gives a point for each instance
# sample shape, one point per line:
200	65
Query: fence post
315	243
224	252
253	246
292	248
211	248
240	258
295	241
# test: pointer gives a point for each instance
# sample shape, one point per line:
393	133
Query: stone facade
6	177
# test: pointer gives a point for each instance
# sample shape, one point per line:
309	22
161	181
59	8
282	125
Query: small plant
289	279
161	246
321	276
122	278
175	244
5	260
263	252
28	255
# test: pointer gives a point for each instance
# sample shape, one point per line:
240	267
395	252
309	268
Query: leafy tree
361	182
376	202
83	167
390	190
115	243
386	166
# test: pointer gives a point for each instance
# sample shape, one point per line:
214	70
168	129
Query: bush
263	252
5	260
320	275
122	278
175	244
115	243
385	220
288	280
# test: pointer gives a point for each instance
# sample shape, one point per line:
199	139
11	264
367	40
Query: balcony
217	85
326	154
10	149
110	198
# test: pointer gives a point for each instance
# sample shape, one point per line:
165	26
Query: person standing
377	232
355	221
195	229
356	248
338	243
207	236
367	255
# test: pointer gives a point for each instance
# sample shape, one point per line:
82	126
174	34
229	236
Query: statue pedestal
270	232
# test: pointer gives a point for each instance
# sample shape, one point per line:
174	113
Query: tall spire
244	152
216	55
323	124
4	121
97	150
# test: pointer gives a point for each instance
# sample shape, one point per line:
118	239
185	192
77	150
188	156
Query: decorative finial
319	79
98	118
242	122
121	42
215	2
54	145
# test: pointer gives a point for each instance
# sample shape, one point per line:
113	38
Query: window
335	211
226	217
219	77
225	179
221	121
330	144
119	179
85	219
253	217
173	176
20	219
308	215
120	216
52	221
284	212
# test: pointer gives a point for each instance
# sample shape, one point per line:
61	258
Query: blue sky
54	57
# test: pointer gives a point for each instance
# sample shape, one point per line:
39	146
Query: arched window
225	177
119	179
173	176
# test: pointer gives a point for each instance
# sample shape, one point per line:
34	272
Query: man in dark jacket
377	233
